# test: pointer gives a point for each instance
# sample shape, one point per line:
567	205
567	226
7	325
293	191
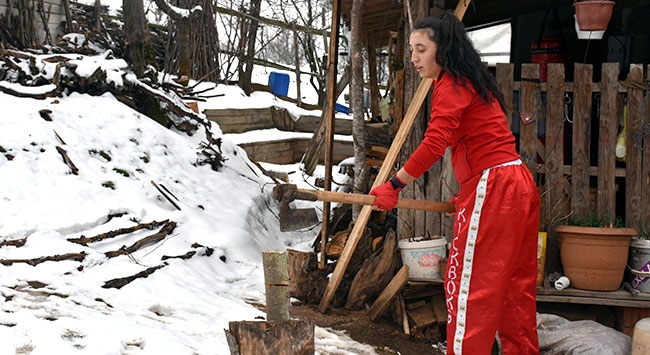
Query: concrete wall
52	8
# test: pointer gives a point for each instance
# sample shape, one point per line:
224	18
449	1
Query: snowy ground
226	217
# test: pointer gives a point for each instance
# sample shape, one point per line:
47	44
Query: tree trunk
250	37
356	95
139	50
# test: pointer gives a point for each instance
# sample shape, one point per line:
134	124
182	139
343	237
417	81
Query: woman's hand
386	196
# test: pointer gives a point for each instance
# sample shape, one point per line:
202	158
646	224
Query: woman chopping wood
491	274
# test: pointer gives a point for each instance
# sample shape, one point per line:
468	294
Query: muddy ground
383	334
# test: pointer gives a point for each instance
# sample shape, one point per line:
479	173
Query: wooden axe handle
361	199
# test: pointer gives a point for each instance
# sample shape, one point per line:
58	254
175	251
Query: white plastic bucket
423	257
639	264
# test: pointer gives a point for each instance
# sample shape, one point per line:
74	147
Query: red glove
387	194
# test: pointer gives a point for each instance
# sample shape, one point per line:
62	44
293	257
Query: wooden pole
296	52
332	58
384	172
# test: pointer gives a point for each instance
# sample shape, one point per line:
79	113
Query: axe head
292	219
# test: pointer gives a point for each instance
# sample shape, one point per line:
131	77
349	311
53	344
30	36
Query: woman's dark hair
457	56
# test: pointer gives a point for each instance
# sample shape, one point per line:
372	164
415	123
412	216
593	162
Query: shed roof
383	16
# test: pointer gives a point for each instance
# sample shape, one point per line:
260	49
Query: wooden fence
567	133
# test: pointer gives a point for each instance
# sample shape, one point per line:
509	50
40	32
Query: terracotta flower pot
594	258
593	15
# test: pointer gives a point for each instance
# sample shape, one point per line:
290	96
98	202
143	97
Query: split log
122	281
13	243
86	240
295	337
154	238
185	256
36	261
67	160
306	280
374	275
276	278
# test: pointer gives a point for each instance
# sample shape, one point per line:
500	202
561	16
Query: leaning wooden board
384	172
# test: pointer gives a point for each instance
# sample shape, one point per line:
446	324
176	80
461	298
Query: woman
490	281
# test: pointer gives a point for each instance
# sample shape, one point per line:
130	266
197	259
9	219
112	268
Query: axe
292	219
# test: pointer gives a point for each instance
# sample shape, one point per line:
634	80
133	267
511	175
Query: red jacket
477	132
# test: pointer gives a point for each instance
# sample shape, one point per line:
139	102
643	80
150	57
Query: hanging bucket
639	264
593	15
423	257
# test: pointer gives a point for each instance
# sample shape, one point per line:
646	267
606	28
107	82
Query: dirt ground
383	334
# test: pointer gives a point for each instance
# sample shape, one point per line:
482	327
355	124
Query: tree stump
292	337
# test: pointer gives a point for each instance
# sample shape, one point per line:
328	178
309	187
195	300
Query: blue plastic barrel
279	83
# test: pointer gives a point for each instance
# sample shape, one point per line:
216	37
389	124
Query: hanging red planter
593	15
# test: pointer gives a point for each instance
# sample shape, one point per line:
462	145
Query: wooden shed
566	111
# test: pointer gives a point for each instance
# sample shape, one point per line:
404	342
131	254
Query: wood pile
57	75
163	229
375	280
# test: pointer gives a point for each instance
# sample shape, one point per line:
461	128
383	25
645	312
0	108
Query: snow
227	217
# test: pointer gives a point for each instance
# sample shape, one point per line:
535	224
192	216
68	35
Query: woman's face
423	54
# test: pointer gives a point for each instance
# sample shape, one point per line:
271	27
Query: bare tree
193	41
312	14
139	51
250	28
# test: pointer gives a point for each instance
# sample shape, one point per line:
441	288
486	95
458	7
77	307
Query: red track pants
492	267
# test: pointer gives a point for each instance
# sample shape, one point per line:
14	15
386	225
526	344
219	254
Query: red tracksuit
491	275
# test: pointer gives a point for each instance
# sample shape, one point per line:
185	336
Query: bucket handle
639	273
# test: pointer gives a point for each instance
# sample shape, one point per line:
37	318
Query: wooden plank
554	198
645	186
618	295
398	97
371	50
608	125
241	120
384	172
591	300
382	176
342	150
395	285
422	316
309	124
634	149
282	119
330	124
404	316
530	98
580	202
505	73
439	304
